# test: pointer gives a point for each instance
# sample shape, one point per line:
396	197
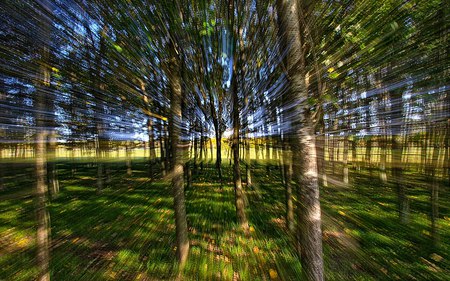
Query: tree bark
128	157
162	145
345	158
43	226
238	190
303	144
42	215
287	162
52	175
177	162
248	161
151	146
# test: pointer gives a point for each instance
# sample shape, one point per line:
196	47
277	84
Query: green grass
127	232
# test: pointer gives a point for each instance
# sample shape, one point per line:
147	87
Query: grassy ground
128	232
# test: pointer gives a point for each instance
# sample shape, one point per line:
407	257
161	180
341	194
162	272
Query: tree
238	190
291	24
175	122
42	85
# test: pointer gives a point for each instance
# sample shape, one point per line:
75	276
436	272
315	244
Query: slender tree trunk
446	166
238	190
52	176
162	151
345	159
128	157
368	157
383	156
355	162
100	165
2	173
151	146
303	144
177	163
397	132
447	144
195	154
188	175
218	152
257	149
397	172
211	150
287	159
434	196
248	161
167	150
202	142
320	147
430	171
43	225
267	140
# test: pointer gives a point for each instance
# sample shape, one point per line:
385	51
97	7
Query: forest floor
128	233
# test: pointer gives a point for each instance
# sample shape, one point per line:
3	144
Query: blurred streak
85	104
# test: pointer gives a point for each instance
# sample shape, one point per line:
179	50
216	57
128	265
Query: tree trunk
303	144
218	152
52	175
128	157
151	146
202	142
238	190
256	149
447	145
210	148
320	147
248	161
397	172
177	162
43	225
345	158
287	162
195	154
368	157
430	171
167	150
383	156
162	151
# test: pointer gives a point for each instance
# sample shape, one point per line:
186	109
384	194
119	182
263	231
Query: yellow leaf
436	257
331	69
273	274
252	229
22	242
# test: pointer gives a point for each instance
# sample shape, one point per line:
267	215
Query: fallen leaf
273	274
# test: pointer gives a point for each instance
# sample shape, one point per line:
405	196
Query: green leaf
333	75
118	48
394	25
312	101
